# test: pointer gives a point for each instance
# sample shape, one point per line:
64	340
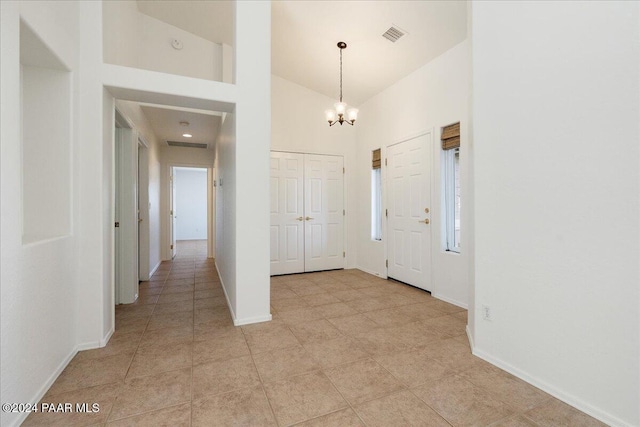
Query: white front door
323	191
287	216
409	201
307	232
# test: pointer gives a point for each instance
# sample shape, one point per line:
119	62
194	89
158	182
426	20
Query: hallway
344	349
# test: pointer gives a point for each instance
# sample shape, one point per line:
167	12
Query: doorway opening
189	211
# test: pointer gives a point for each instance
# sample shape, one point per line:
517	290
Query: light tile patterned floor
344	349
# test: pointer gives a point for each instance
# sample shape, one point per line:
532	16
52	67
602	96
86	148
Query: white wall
134	39
191	203
556	108
242	169
68	281
38	281
225	167
303	129
253	134
431	97
46	152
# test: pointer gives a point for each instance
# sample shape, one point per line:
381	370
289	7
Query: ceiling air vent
186	144
393	34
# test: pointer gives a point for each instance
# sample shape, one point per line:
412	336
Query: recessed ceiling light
187	135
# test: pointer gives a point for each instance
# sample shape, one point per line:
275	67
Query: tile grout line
124	380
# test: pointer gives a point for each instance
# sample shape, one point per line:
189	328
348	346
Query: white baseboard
226	296
450	301
45	387
54	376
154	269
250	320
107	336
374	273
236	321
90	345
470	338
567	398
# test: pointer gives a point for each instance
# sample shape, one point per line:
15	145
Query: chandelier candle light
340	107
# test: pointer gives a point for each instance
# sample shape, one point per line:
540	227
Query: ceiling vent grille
186	144
393	34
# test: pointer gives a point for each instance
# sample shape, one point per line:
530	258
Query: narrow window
451	186
376	195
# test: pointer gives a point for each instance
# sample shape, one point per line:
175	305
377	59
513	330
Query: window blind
376	160
451	136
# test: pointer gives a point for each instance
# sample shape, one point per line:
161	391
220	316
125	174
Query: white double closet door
307	217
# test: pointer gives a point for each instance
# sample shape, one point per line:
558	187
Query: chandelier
337	115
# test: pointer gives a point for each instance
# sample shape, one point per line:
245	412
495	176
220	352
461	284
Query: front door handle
425	221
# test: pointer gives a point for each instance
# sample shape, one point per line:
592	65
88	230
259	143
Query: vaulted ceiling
305	34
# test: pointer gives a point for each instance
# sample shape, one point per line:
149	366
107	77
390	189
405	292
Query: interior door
126	168
138	216
324	215
116	205
172	213
287	216
409	201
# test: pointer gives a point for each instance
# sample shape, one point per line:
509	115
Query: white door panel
409	177
324	225
126	216
287	225
174	214
307	224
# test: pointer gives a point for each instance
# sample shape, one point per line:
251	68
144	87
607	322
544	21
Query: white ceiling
305	34
165	122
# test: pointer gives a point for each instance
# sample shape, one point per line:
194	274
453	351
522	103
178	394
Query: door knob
300	218
426	221
308	218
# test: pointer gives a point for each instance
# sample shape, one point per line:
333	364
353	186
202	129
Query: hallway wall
225	162
38	280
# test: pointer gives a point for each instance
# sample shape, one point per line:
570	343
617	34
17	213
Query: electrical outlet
486	312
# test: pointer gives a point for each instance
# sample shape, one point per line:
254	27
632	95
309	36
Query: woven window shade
376	160
451	136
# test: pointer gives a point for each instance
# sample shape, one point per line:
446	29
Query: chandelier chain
341	114
340	74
